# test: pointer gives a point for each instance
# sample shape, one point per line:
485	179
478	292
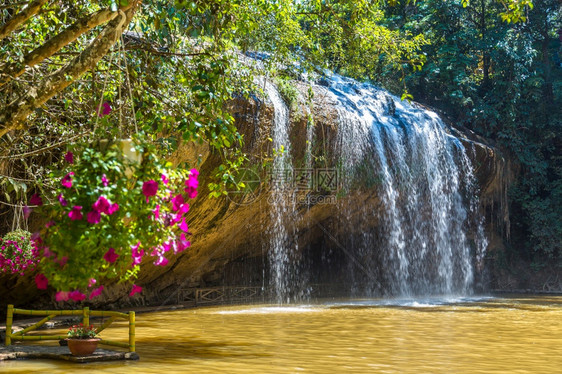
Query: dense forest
168	69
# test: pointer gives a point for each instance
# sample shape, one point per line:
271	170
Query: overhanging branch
14	22
55	44
13	116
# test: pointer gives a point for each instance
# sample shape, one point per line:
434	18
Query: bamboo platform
18	352
22	351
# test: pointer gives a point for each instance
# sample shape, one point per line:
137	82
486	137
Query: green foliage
82	332
288	92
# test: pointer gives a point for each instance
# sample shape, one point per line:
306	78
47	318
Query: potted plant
82	340
107	214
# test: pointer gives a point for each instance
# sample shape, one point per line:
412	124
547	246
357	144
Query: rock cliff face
232	235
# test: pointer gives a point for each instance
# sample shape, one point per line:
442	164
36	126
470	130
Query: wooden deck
220	295
243	294
18	352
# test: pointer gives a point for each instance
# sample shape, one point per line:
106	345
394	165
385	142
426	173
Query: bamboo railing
85	313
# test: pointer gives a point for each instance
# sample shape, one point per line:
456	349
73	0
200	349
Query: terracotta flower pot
82	347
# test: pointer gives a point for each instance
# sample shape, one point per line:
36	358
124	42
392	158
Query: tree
14	113
499	79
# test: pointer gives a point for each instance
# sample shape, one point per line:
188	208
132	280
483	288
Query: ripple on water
424	302
272	310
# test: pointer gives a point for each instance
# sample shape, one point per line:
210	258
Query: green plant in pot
109	213
82	340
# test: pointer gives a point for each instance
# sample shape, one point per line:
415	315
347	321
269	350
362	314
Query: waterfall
428	235
426	186
281	205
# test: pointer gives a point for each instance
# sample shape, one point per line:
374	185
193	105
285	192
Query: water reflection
438	335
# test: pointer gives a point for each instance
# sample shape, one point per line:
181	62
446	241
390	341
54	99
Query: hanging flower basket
119	204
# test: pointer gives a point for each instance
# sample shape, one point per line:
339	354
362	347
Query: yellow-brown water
517	335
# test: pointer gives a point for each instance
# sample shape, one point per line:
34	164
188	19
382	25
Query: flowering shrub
18	253
105	223
82	332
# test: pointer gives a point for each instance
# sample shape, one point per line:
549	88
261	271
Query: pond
438	335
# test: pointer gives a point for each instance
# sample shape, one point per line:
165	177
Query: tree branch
45	149
160	52
20	18
55	44
134	41
14	115
7	6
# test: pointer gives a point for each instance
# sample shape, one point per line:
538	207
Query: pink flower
41	281
177	202
93	217
104	180
183	225
192	182
62	296
101	205
47	252
176	218
112	209
26	211
135	290
190	190
96	292
62	261
49	224
91	282
136	254
161	261
184	208
105	109
156	212
62	201
166	246
194	173
165	179
69	157
110	256
36	200
67	180
77	295
75	214
149	188
182	244
36	236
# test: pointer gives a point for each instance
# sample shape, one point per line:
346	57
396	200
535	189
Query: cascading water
282	267
426	186
426	191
